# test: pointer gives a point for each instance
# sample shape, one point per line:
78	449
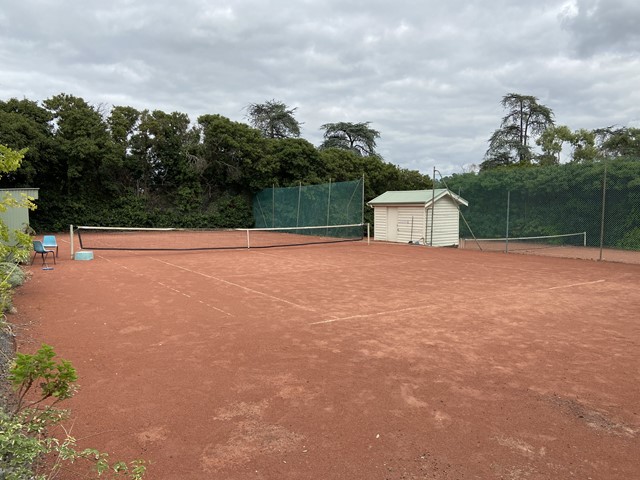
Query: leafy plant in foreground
40	382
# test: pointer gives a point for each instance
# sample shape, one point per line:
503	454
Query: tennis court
348	361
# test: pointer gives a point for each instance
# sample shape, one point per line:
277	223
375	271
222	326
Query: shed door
392	224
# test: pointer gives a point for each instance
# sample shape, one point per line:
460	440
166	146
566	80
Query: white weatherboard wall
380	223
446	223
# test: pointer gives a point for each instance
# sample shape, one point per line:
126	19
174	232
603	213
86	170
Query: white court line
575	285
164	285
257	292
422	307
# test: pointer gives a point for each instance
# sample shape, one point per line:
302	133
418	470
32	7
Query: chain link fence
334	203
594	206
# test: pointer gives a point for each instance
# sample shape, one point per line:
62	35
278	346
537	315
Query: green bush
23	430
12	274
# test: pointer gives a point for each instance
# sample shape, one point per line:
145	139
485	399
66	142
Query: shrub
23	430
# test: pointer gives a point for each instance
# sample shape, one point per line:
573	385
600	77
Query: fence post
604	199
329	203
298	213
433	205
362	213
506	244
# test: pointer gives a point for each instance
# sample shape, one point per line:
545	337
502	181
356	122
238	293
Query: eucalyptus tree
584	146
274	119
552	141
359	138
525	119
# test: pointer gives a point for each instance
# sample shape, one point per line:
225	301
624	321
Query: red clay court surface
348	361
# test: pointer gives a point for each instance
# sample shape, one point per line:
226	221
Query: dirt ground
347	361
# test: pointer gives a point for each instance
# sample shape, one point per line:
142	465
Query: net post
584	242
368	234
71	239
248	241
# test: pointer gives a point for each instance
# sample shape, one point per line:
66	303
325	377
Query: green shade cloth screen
333	203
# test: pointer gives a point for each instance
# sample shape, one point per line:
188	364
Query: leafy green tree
288	162
159	156
123	125
24	124
551	141
230	152
380	176
359	138
510	143
584	147
14	245
618	142
274	119
87	159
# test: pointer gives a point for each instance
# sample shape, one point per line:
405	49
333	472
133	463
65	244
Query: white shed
405	217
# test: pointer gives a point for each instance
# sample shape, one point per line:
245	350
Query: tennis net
120	238
526	244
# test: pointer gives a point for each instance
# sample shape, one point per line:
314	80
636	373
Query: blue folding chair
49	243
38	248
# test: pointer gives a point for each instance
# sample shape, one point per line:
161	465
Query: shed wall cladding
446	223
411	223
17	218
380	223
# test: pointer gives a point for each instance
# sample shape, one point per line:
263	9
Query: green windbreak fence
333	203
601	199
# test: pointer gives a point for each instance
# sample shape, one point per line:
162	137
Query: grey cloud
599	26
428	75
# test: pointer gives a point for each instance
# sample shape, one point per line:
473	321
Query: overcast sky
428	75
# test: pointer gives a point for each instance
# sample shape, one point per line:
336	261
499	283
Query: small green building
17	218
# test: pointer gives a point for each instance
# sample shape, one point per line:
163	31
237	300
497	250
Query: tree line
123	166
528	124
556	179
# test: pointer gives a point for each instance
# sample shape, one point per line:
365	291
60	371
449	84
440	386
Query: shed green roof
422	197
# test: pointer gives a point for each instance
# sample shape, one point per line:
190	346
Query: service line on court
424	307
576	284
167	286
251	290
